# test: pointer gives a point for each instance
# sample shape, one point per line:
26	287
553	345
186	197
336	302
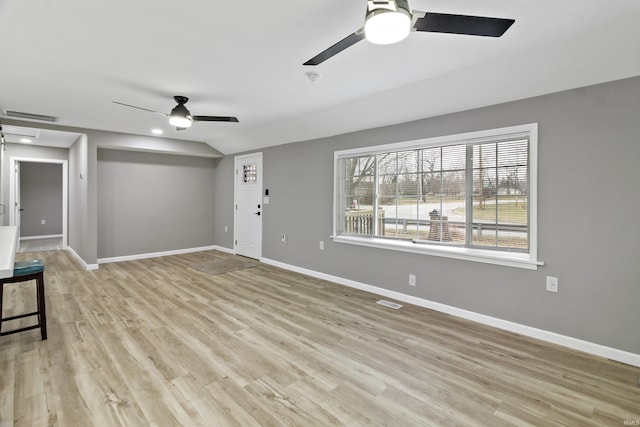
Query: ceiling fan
181	117
390	21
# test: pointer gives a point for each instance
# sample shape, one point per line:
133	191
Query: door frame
236	162
13	164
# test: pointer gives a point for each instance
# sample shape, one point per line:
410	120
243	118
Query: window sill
509	259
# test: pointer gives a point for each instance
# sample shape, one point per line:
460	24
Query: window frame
526	260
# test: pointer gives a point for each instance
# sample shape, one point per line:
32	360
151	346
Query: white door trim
236	221
13	161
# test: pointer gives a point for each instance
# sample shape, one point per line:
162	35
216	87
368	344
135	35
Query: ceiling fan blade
346	42
140	108
463	24
214	119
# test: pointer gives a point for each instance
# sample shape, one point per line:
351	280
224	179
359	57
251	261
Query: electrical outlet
43	222
321	245
284	239
226	229
412	280
552	284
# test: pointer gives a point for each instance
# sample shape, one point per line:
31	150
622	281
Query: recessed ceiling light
157	131
26	140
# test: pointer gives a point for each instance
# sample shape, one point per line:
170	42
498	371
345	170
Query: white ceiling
71	58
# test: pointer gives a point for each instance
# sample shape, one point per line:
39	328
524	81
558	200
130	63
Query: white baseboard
49	236
80	260
223	249
541	334
156	254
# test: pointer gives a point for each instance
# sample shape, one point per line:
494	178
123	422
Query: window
469	196
249	174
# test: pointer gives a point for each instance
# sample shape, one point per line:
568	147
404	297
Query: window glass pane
513	153
484	214
484	155
512	180
453	207
397	205
512	221
388	211
453	184
408	161
484	175
387	194
454	157
397	183
249	174
407	187
500	203
403	224
387	187
422	222
359	175
359	192
388	164
430	159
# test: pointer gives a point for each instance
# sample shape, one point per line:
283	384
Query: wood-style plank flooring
157	343
38	245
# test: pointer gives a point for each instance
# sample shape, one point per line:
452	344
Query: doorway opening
38	200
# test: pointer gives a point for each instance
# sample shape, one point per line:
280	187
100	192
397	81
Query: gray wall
40	198
223	199
588	175
153	202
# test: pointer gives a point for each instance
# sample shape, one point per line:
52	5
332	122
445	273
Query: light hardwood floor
156	342
38	245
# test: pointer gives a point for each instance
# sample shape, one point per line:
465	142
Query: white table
8	248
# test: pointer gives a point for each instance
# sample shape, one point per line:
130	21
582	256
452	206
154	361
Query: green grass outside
511	212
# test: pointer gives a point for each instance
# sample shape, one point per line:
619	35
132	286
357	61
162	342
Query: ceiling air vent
30	116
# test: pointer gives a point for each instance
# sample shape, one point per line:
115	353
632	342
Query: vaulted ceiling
72	58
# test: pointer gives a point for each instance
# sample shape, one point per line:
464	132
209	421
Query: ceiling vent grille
30	116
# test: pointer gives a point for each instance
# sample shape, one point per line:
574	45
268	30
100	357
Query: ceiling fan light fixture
387	25
180	122
180	116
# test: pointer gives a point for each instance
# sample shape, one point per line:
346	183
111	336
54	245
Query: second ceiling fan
390	21
180	116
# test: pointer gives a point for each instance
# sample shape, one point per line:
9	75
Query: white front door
248	205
